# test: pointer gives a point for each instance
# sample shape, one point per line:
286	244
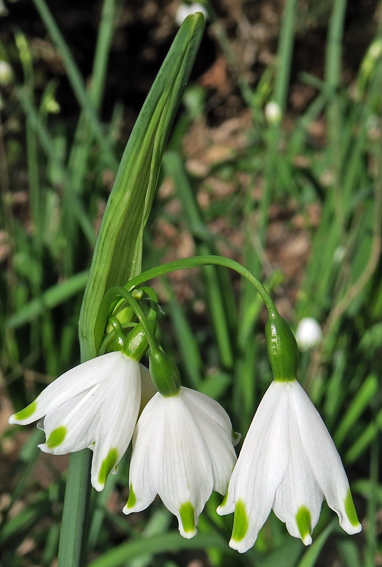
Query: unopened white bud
272	112
308	333
375	50
6	73
185	10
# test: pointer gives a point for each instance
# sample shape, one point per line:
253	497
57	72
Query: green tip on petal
26	412
224	501
57	437
304	524
350	510
132	500
187	515
240	522
107	465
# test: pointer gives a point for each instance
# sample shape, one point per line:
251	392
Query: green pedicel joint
282	348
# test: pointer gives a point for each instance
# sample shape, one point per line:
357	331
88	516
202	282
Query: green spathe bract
117	256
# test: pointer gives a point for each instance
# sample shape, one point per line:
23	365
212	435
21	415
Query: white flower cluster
183	448
182	445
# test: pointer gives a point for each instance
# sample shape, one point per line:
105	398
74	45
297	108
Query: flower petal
298	498
142	489
148	390
260	468
210	407
79	379
217	436
117	419
325	461
170	457
73	426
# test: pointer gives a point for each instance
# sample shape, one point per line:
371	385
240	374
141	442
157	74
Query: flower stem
198	261
74	517
137	310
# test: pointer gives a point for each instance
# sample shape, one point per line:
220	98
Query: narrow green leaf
117	256
365	488
359	403
77	496
171	541
49	299
364	440
349	552
285	555
311	555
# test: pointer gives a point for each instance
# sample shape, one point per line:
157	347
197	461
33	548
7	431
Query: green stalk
284	54
121	291
83	138
198	261
333	80
76	81
74	516
184	264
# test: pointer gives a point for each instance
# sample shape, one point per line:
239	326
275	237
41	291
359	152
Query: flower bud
6	73
308	333
282	348
272	112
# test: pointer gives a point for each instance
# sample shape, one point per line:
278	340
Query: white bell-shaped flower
288	462
182	450
95	405
308	333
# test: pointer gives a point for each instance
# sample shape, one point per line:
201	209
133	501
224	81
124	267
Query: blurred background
275	160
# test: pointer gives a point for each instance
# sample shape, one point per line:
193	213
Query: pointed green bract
57	437
187	515
26	412
107	465
350	510
132	500
117	256
240	522
304	522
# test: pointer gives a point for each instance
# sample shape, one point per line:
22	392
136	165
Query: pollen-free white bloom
95	405
288	462
308	333
182	450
